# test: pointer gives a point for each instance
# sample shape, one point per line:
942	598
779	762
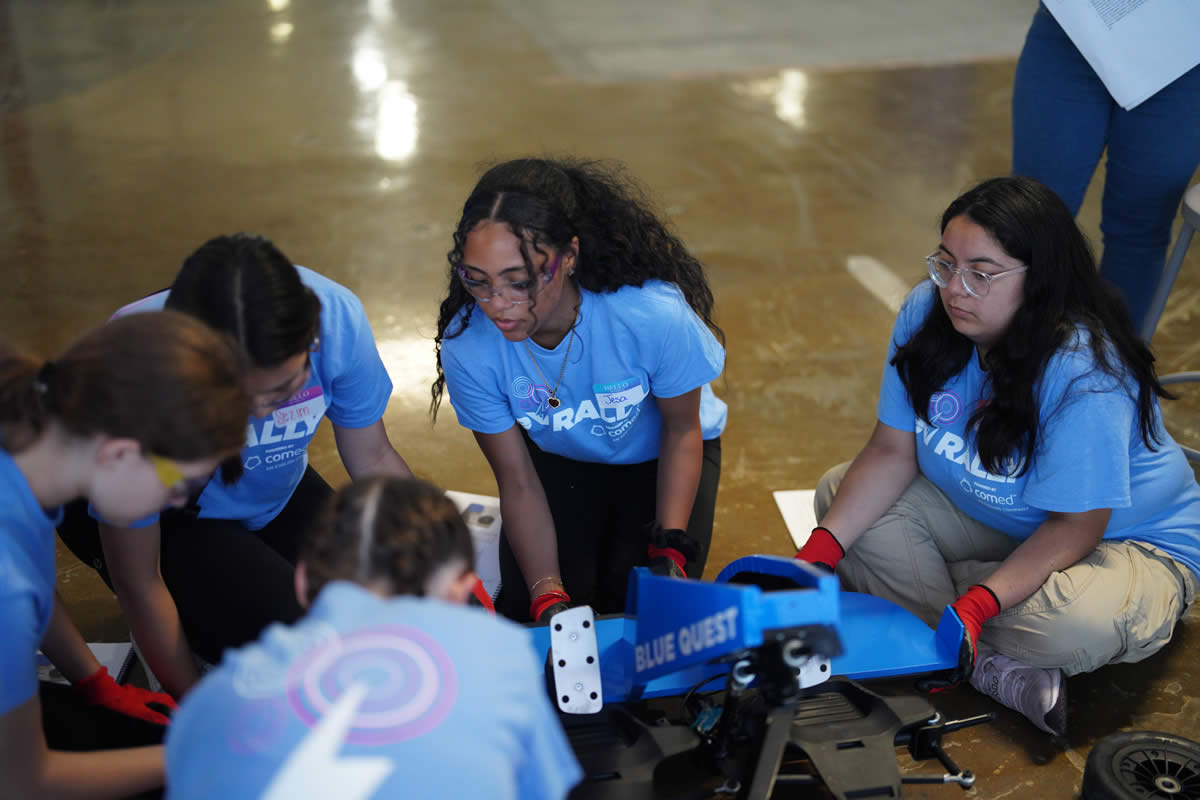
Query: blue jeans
1063	118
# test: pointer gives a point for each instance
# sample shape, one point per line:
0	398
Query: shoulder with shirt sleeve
654	306
914	310
651	300
1072	371
469	336
511	643
339	305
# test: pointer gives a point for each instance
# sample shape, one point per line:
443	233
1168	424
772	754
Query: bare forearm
368	451
870	487
1054	546
65	646
158	631
101	774
28	769
530	531
386	462
680	460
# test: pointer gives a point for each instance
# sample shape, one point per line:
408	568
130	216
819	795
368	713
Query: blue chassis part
675	633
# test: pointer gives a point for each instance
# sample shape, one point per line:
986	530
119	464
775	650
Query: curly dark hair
1063	291
395	531
548	201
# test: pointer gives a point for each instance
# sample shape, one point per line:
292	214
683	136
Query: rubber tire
1166	755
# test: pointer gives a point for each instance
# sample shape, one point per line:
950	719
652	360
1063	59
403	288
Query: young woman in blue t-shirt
422	696
577	342
216	573
1019	471
131	417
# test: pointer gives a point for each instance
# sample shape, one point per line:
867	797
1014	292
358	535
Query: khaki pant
1120	603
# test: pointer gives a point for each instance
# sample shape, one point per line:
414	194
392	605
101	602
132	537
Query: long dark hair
1062	292
546	202
244	286
161	378
397	531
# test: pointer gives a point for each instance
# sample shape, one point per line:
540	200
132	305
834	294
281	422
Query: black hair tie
45	377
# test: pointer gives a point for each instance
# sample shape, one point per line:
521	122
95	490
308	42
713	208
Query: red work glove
547	604
100	689
822	549
975	607
670	550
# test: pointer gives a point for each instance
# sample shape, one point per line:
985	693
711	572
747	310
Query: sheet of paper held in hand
482	514
1136	46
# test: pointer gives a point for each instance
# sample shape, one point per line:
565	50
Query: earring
571	272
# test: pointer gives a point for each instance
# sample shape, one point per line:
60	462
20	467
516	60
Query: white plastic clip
575	658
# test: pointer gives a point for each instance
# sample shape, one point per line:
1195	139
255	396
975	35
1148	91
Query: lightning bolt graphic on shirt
315	770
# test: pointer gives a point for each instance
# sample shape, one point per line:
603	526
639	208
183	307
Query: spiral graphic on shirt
411	679
530	396
944	408
522	388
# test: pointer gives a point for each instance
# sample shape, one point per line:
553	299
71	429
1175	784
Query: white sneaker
1039	694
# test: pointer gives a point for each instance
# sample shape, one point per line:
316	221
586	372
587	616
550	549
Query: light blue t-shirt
348	384
630	346
1090	452
369	697
26	583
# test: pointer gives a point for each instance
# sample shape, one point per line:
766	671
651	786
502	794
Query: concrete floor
350	133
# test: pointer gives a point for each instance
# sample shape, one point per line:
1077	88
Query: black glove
551	611
670	550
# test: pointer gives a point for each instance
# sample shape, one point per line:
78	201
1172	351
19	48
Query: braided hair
397	532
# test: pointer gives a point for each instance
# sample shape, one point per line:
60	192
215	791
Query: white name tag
305	406
621	398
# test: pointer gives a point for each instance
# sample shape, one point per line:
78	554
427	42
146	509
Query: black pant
600	514
228	582
72	724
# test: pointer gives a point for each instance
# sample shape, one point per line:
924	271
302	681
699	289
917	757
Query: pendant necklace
553	400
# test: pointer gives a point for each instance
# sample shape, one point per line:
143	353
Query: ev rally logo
945	408
614	407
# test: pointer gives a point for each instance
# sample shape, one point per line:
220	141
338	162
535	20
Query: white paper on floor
117	656
796	505
482	514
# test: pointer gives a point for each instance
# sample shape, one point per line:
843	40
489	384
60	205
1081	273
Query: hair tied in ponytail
45	377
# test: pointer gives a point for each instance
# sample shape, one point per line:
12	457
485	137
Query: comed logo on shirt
284	435
993	491
612	410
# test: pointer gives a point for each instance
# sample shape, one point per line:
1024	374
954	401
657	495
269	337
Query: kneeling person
388	686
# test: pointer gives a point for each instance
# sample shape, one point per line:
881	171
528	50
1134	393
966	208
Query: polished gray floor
788	142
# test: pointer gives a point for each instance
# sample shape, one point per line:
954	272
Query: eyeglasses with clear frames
516	293
975	282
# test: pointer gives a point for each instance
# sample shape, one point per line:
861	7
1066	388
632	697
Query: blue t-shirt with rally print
26	583
370	697
630	346
1090	452
349	384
